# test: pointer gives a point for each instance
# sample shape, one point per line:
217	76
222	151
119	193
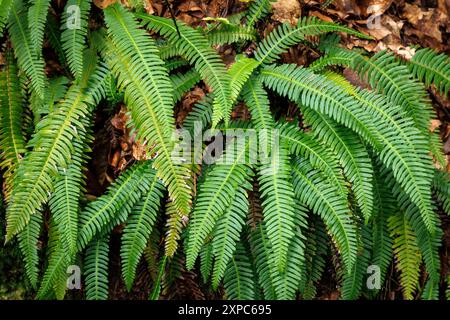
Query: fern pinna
354	179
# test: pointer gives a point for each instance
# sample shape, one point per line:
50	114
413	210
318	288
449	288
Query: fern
115	204
12	141
29	61
138	229
323	199
96	269
28	243
407	253
226	234
215	195
195	48
53	143
431	68
286	36
73	35
148	96
374	125
37	16
238	280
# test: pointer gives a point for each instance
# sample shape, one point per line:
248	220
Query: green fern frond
286	35
324	199
277	196
5	8
287	282
52	149
352	155
29	61
256	99
406	252
207	260
183	83
74	27
37	17
352	283
239	73
441	186
12	141
96	269
373	118
55	276
214	197
200	115
148	93
52	143
301	144
265	269
316	248
228	34
226	234
257	10
103	213
384	207
28	244
64	202
239	279
195	48
431	68
138	229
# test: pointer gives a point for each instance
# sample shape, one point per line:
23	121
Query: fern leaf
278	203
29	61
384	206
138	229
74	29
53	145
261	251
373	118
28	244
214	197
406	252
257	10
195	48
353	281
431	68
96	269
114	205
239	278
149	95
325	201
64	203
37	16
352	155
286	35
12	141
227	233
256	99
55	276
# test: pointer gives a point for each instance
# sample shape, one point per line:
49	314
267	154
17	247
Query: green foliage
431	68
350	176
